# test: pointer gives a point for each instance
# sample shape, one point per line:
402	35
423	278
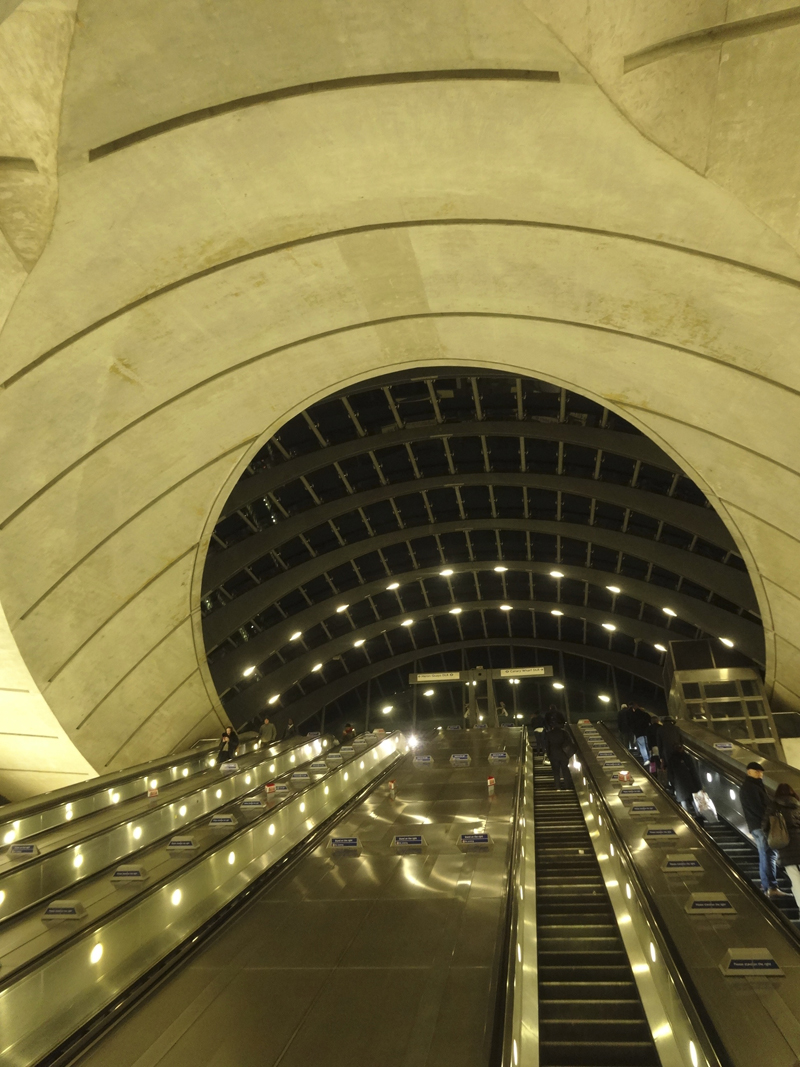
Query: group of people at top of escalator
267	735
658	742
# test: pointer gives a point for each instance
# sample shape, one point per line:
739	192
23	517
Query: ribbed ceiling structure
446	518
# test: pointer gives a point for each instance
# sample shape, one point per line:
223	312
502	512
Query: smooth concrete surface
205	283
359	960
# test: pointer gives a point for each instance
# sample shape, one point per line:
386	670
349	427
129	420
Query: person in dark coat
228	744
560	748
553	717
640	723
348	733
668	737
684	778
624	727
756	806
787	802
290	730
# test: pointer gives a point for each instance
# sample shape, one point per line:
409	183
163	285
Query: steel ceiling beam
628	445
717	622
731	584
306	706
698	521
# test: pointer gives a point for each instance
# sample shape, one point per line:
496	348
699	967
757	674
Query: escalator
589	1006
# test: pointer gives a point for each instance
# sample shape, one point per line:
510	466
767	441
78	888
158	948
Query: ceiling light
316	667
727	642
555	611
394	585
358	643
274	699
660	648
613	589
387	709
558	685
670	612
501	569
407	622
556	574
446	573
248	671
609	626
428	693
296	635
604	698
341	608
455	611
505	607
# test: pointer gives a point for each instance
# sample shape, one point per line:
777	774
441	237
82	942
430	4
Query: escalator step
597	1054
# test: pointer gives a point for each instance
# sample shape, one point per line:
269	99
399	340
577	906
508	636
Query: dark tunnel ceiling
501	479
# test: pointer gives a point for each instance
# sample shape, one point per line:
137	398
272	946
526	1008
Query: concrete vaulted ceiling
259	205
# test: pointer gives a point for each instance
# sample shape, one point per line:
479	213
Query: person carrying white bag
705	805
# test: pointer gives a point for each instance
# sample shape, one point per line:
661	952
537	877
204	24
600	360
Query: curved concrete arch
254	697
159	406
631	446
717	622
302	709
701	522
731	584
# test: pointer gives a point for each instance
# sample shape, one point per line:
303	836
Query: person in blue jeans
755	806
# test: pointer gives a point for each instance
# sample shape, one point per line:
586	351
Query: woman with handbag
786	809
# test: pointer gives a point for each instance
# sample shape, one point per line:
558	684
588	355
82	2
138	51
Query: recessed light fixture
558	685
248	671
358	643
604	698
668	611
500	569
505	607
455	611
446	573
394	585
296	635
387	709
556	574
316	667
609	626
341	608
428	693
555	611
274	698
613	589
660	648
727	642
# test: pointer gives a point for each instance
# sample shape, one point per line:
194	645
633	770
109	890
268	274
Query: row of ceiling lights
447	573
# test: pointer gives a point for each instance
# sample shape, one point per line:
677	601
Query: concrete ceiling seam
146	720
725	581
334	235
306	706
768	22
289	92
699	521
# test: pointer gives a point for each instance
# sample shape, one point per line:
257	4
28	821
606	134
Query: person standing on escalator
756	806
228	744
787	804
640	724
684	778
560	748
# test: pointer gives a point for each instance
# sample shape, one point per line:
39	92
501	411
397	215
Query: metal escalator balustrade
26	883
68	986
